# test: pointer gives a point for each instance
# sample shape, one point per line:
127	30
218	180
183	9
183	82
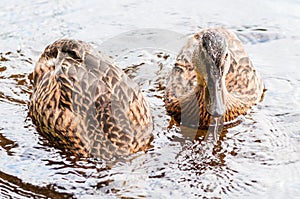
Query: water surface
259	158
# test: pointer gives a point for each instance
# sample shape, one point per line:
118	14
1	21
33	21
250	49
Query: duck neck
193	108
234	105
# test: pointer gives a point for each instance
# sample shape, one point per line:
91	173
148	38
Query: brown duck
85	104
213	77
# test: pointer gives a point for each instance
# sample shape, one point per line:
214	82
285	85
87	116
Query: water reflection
12	186
258	157
7	144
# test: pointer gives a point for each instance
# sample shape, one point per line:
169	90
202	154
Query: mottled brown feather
86	105
185	93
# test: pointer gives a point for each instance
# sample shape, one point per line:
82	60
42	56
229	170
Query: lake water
259	158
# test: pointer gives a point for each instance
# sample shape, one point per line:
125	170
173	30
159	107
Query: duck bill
214	98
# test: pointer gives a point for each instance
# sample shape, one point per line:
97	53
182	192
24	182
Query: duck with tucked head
213	81
86	105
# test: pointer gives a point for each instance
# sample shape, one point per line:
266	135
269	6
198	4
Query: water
258	158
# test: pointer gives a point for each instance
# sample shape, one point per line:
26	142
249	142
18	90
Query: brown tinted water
258	158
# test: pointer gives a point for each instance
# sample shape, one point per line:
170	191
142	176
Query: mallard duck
84	103
213	77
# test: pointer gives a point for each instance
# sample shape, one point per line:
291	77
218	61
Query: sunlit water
259	158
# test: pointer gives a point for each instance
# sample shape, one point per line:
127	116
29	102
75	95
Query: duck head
211	59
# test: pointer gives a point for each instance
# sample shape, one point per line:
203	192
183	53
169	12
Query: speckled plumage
85	104
185	93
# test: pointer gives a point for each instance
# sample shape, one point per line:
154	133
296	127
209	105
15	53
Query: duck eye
226	55
74	55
